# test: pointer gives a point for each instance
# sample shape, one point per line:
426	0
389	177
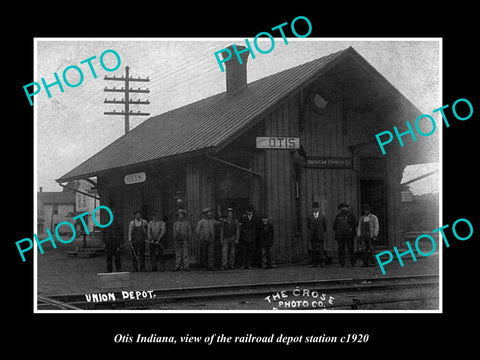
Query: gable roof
208	123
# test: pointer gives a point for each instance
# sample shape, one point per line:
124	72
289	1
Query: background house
85	201
54	207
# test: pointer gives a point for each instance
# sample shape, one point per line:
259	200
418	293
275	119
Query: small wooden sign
329	162
276	142
406	196
135	178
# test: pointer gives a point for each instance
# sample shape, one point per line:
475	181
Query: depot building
279	143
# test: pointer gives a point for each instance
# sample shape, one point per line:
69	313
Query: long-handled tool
155	243
133	251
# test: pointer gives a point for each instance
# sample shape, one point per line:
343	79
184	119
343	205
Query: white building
54	207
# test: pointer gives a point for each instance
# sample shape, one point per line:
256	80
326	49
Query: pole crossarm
115	101
126	101
131	90
130	113
122	78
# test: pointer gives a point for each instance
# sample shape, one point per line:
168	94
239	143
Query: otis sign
278	143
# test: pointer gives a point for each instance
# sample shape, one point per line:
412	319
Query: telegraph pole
126	100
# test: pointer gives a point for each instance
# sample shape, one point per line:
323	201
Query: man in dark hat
248	235
182	235
137	233
265	241
344	227
112	244
156	232
367	232
229	235
317	225
205	231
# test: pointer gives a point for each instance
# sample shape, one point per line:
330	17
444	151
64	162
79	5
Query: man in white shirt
156	232
367	232
137	234
205	231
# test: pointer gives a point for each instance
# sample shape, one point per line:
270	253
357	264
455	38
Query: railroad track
350	294
47	302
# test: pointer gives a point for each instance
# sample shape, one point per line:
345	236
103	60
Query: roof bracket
78	191
234	165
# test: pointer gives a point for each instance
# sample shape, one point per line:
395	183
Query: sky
71	126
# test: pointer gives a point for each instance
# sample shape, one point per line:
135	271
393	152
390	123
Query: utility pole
127	101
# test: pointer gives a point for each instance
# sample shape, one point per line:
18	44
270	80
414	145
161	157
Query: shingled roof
208	123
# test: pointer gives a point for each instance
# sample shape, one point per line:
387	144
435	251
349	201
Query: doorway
372	192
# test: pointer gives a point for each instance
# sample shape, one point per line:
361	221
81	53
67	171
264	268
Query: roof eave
175	157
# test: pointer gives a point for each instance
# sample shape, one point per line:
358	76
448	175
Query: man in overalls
137	233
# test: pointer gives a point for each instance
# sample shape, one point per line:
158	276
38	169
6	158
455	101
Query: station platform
59	274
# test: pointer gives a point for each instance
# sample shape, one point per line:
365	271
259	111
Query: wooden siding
279	181
323	135
193	201
199	194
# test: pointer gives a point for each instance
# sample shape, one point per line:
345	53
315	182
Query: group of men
346	228
243	234
246	234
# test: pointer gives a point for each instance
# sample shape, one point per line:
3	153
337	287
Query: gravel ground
57	274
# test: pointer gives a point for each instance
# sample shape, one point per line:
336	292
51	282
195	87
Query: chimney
236	73
41	189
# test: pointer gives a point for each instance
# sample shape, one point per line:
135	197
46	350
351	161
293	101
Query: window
55	209
318	102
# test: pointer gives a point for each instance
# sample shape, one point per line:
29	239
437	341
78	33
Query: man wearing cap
182	235
248	235
344	227
317	225
155	233
137	233
229	235
367	232
206	233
